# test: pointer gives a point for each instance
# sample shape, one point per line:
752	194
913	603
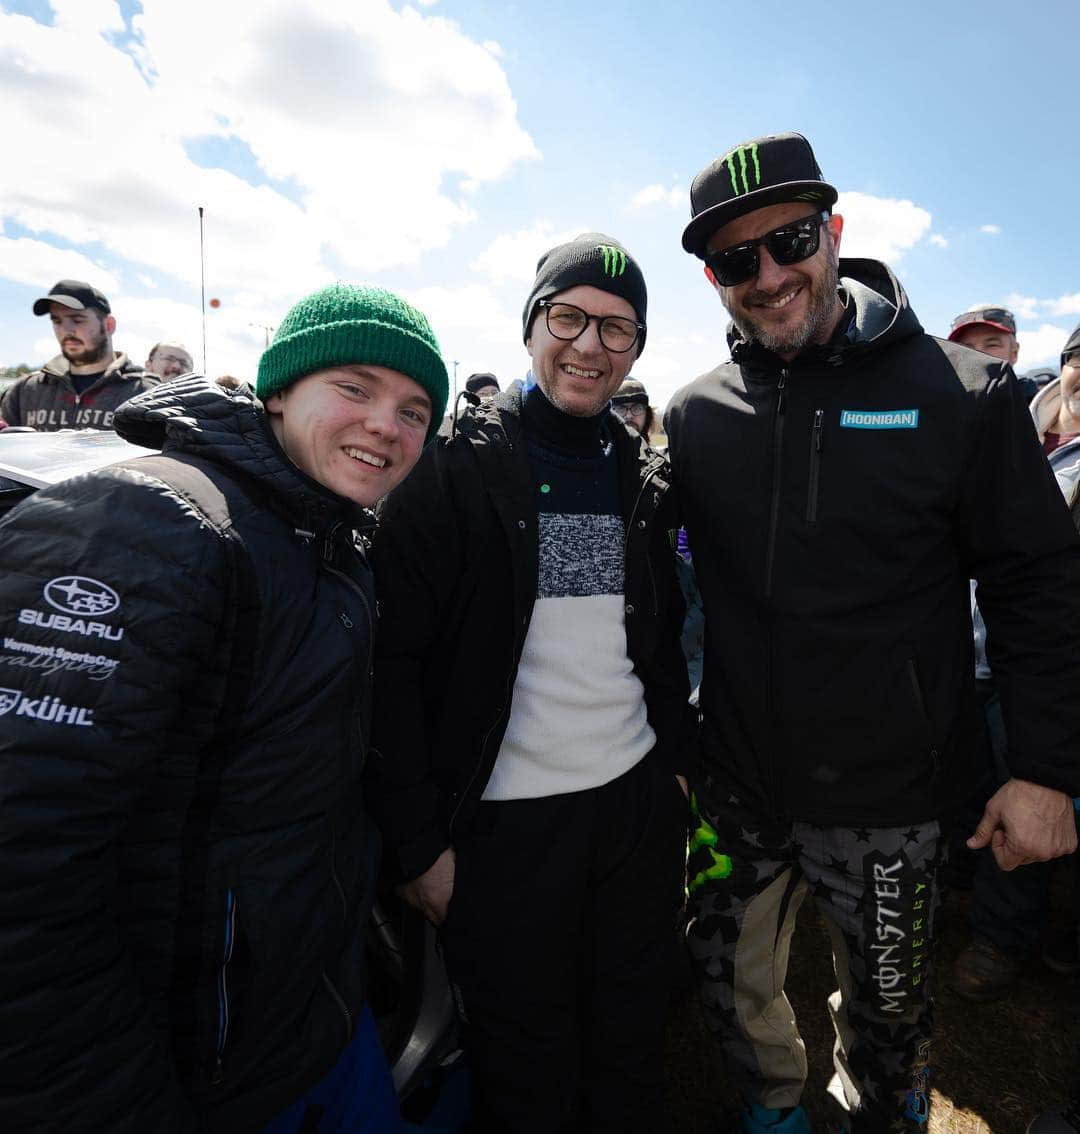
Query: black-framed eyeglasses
567	322
1071	358
789	244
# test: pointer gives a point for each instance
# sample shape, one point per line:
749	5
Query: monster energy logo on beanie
614	259
737	167
589	260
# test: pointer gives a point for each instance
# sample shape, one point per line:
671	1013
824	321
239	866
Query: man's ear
835	225
275	404
711	278
528	345
110	325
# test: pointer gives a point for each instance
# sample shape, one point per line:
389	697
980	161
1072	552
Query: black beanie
478	381
592	259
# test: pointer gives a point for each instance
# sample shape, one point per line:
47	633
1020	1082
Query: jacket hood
229	427
1045	407
881	316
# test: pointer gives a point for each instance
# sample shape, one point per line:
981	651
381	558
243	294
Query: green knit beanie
348	323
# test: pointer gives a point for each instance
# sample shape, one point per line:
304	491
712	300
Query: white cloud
990	229
494	48
513	255
1029	307
880	227
1022	306
37	264
1063	305
675	197
371	114
1041	346
937	240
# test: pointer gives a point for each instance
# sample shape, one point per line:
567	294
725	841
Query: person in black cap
82	387
631	403
531	716
483	385
842	477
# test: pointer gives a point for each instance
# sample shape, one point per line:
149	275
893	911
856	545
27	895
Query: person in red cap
842	477
84	385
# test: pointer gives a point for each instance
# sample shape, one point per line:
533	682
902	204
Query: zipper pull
218	1076
818	418
780	391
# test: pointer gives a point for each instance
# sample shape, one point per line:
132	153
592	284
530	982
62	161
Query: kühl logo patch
879	419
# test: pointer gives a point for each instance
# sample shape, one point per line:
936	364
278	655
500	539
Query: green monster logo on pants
739	169
614	260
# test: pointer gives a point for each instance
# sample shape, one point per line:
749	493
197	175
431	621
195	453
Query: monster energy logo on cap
614	260
739	168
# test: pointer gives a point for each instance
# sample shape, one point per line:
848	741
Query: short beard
88	355
815	328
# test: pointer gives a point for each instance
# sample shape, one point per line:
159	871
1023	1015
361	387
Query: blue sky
438	148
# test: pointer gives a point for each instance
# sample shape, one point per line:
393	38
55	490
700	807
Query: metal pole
453	401
202	286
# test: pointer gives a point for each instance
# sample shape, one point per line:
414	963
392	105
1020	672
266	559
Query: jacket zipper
649	474
223	987
774	510
774	517
815	467
920	704
338	998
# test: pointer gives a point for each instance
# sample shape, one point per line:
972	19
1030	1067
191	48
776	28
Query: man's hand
1024	822
430	893
683	784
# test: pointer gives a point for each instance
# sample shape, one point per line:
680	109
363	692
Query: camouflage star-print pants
876	889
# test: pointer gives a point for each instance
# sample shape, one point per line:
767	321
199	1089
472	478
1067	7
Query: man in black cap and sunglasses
531	716
841	478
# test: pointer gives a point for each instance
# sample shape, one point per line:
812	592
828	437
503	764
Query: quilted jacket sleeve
416	559
1025	555
111	600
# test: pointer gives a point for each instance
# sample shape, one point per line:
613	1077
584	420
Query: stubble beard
815	328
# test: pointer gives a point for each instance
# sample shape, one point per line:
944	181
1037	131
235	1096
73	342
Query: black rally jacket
456	562
186	866
837	507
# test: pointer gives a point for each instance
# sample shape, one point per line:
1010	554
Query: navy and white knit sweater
578	716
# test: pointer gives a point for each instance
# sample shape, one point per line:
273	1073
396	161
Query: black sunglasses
788	244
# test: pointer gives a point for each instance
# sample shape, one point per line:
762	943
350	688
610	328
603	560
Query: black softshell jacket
456	562
837	507
185	864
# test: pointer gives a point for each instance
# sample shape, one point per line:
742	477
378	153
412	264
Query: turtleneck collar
544	422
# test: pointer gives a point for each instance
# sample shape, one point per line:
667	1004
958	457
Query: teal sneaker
761	1120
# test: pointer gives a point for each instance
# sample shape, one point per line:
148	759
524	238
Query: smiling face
580	376
358	430
84	336
785	308
1069	417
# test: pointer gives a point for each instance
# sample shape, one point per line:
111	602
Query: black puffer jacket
185	864
456	559
837	507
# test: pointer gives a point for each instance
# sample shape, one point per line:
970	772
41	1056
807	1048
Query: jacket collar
229	427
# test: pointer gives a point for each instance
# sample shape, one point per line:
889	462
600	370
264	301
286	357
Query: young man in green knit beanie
189	863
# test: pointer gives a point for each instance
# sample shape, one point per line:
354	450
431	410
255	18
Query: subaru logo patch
79	594
879	419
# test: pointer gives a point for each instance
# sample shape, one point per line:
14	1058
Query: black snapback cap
76	294
765	171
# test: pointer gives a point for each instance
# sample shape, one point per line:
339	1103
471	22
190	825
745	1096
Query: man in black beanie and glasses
842	477
532	717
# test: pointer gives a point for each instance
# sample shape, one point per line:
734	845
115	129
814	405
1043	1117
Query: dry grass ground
994	1065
